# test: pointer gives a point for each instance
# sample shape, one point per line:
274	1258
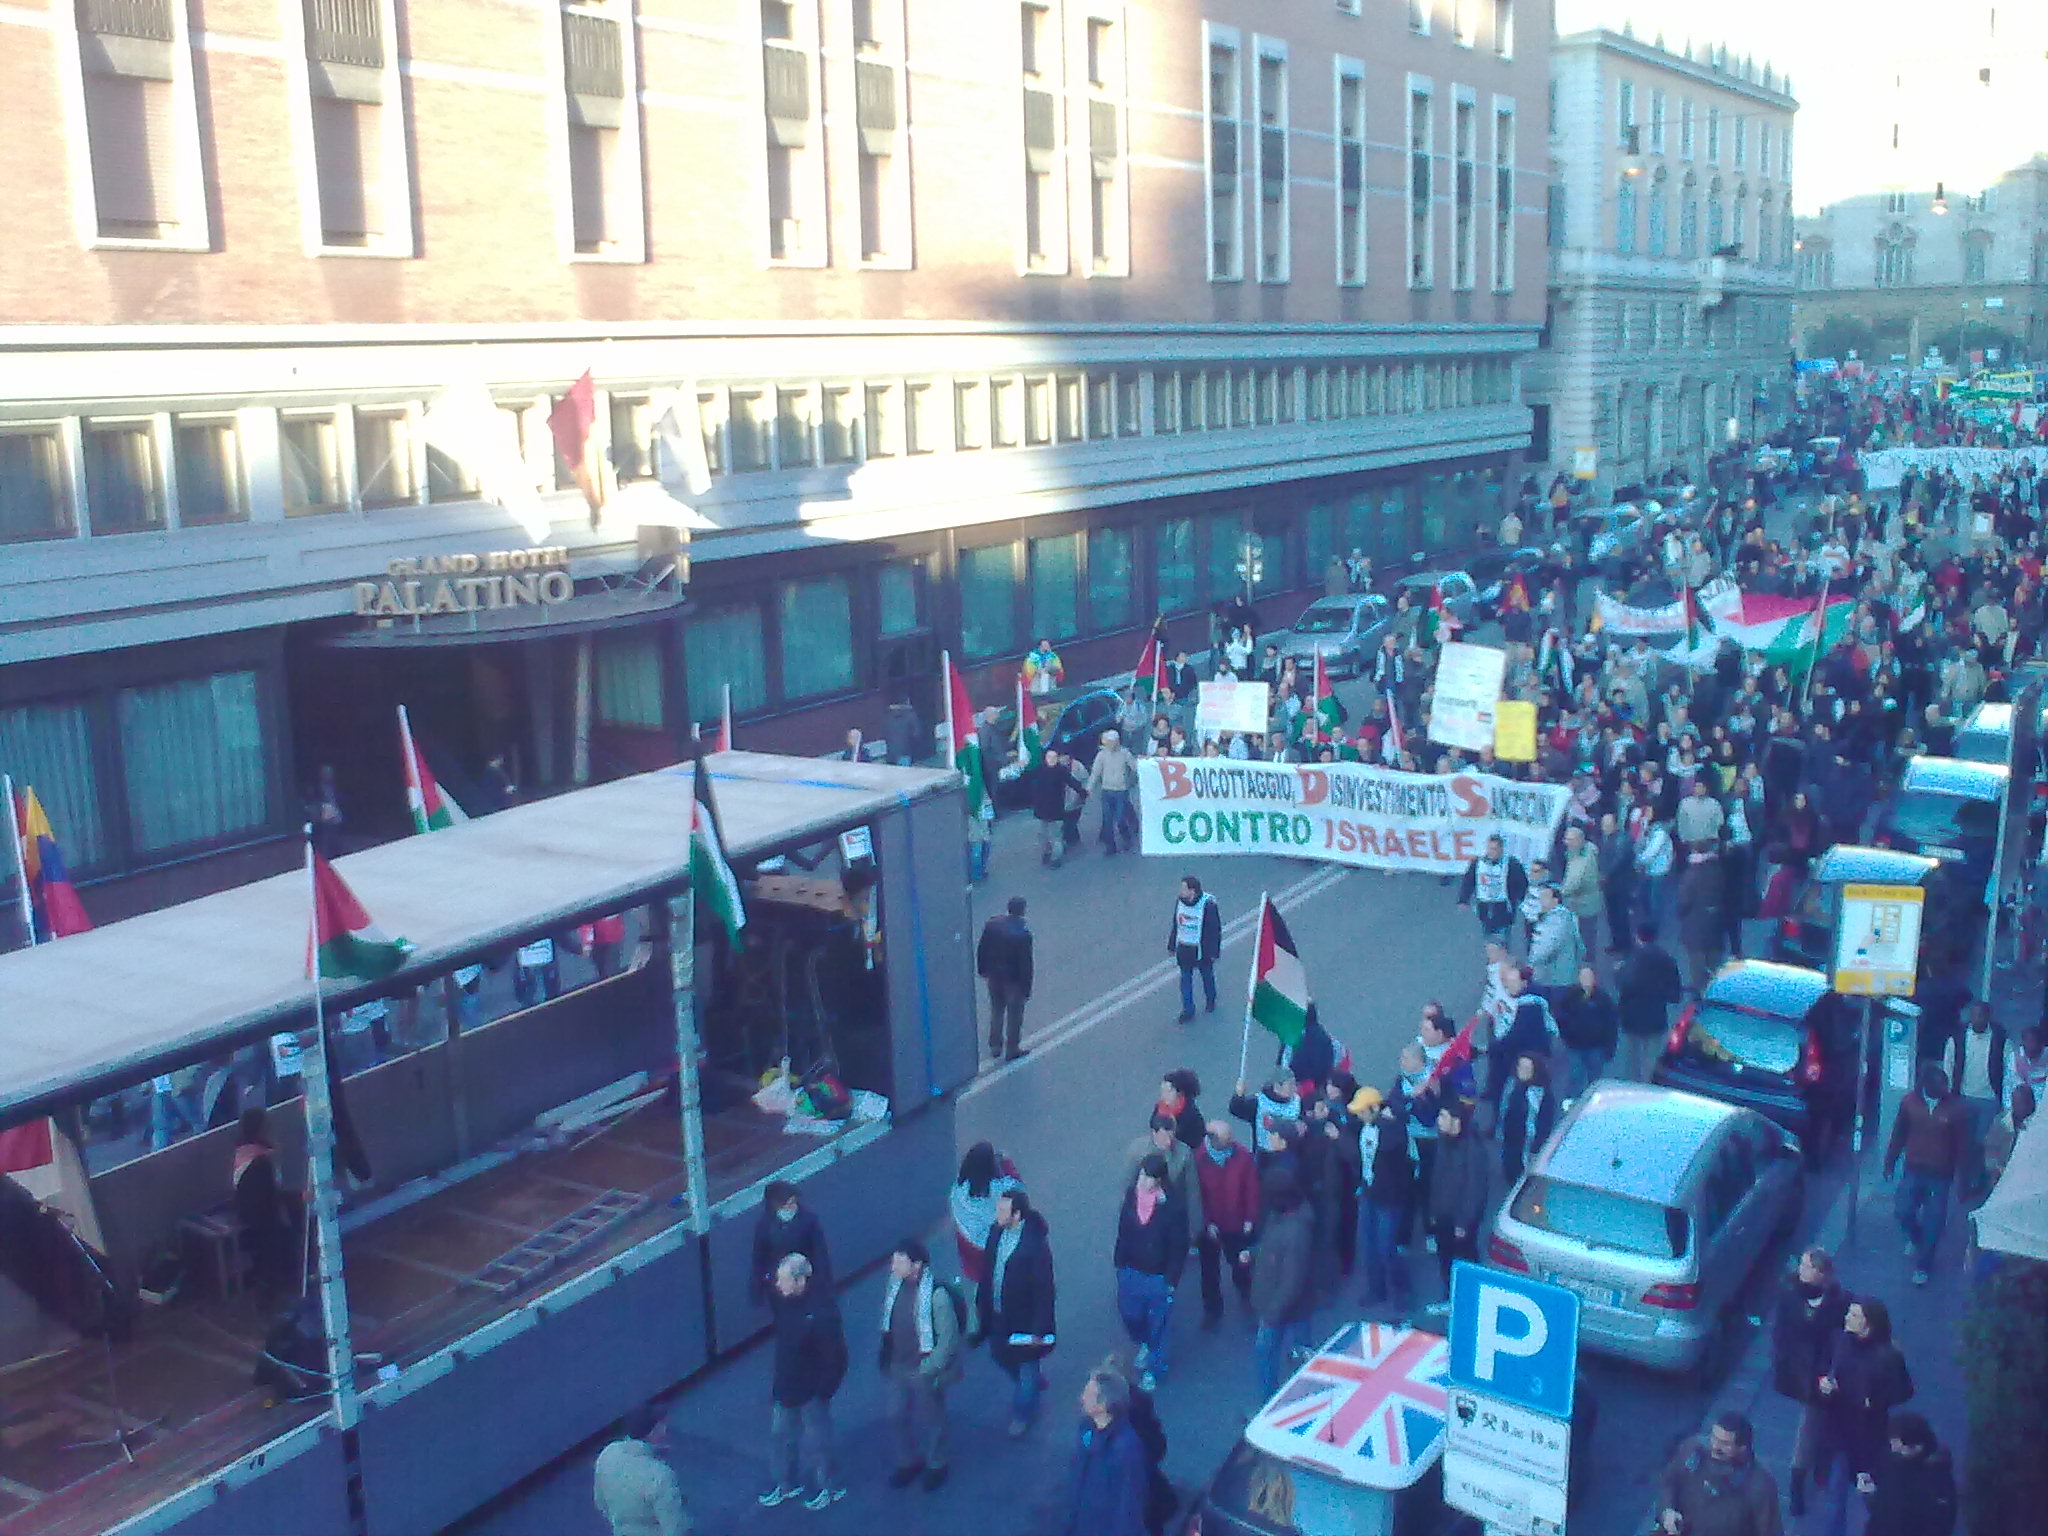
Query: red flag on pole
570	422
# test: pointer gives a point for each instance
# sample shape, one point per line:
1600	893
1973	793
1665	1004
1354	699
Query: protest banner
1233	706
1886	467
1468	679
1348	813
1617	618
1514	731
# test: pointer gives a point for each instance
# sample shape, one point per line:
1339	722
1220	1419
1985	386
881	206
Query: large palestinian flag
1789	631
1030	746
711	878
962	745
1279	985
345	940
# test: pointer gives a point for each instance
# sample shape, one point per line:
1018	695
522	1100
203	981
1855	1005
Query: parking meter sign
1514	1338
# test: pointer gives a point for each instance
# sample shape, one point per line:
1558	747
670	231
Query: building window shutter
346	153
131	135
875	106
788	78
587	155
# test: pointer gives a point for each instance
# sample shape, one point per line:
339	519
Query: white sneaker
824	1498
1148	1382
781	1493
1430	1244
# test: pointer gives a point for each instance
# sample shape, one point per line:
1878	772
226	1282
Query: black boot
1796	1495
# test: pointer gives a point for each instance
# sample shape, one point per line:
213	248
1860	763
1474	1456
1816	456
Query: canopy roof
2014	1217
113	1004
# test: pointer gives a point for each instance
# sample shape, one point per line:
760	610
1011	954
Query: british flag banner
1368	1407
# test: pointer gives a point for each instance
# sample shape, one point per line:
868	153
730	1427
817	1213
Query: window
1738	229
209	471
1741	135
1421	190
1978	202
1660	213
1785	154
1689	216
1713	135
1657	120
123	485
1625	114
1895	202
50	745
135	82
1625	215
898	597
1174	564
195	760
1464	194
1130	405
877	90
1101	406
711	429
1226	234
919	421
988	600
970	414
794	172
721	649
1418	16
35	494
815	619
1166	404
793	423
628	681
749	427
309	455
1112	590
1715	212
1037	411
1766	232
1273	197
1556	230
1350	172
1977	259
1226	539
1067	408
604	201
632	444
1763	146
1504	28
1044	230
384	476
1006	413
1465	23
1685	130
1056	587
884	421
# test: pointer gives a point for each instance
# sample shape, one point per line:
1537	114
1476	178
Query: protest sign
1348	813
1885	468
1468	679
1233	706
1617	618
1514	731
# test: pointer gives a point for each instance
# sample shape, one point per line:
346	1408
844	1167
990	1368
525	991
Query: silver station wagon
1654	1206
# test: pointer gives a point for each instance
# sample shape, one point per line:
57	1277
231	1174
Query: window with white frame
35	483
207	471
796	421
1045	227
1657	108
884	416
920	418
1108	150
1685	129
1656	239
795	173
1421	185
839	423
1503	196
384	467
1741	137
1625	114
359	193
1351	215
1465	23
1271	108
750	423
1625	214
1713	135
881	109
141	135
1764	161
1504	28
1464	191
309	455
1418	16
599	66
124	483
970	414
1226	178
1785	154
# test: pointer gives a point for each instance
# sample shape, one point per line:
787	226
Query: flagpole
1820	630
1251	987
324	1213
725	717
952	726
28	905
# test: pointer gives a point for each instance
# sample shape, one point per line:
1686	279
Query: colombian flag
59	913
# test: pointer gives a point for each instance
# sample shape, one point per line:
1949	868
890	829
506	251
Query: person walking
1978	1059
1108	1477
1579	885
1387	1176
635	1488
920	1359
1049	786
1162	1139
810	1363
1804	1324
1702	887
1654	857
1556	948
1932	1133
1003	960
1647	988
1589	1023
1912	1492
1230	1216
1017	1306
1457	1194
786	1226
1528	1113
1716	1487
1151	1251
1113	776
1194	939
1280	1278
1495	884
1866	1379
983	1177
1617	856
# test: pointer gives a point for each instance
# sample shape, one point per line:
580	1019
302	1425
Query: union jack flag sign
1369	1407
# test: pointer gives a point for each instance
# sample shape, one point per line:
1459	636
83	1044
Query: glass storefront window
896	597
1361	525
1435	513
816	619
629	681
1319	540
1396	537
1112	598
1226	533
1056	587
49	747
1175	562
195	760
988	600
720	648
35	496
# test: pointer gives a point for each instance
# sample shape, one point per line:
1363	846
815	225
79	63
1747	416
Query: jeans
916	1406
977	859
1052	842
1027	1386
1834	1496
1379	1253
1005	1016
809	1427
1650	897
1620	931
1269	1353
1233	1249
1921	1206
1115	807
1187	987
1589	1063
1145	1303
1982	1112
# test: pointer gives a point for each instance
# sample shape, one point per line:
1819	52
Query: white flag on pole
464	423
679	443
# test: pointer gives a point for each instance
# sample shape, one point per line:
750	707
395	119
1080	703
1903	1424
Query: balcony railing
126	18
594	51
345	32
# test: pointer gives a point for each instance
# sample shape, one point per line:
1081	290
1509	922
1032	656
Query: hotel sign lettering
431	584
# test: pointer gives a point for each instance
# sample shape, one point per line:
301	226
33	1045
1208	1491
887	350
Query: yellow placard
1514	731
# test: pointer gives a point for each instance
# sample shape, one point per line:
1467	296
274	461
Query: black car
1075	731
1950	810
1806	933
1253	1494
1773	1038
1493	568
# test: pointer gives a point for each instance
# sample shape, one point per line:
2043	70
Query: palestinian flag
1692	621
1789	631
344	941
711	878
1030	746
962	746
1279	985
1328	712
1150	672
431	809
23	1147
1456	1054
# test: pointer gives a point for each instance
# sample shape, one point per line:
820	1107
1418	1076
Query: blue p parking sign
1514	1338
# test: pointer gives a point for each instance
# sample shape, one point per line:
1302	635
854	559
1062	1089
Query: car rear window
1945	819
1736	1037
1271	1495
1601	1218
1322	621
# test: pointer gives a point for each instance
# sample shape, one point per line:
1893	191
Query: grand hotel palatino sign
433	584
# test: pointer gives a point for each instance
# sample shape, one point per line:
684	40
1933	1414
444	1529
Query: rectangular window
1005	412
1130	404
711	424
720	649
1763	146
1112	592
1464	194
1225	540
309	454
1055	587
1657	120
1037	411
1166	415
970	414
1625	114
816	625
1044	225
1101	405
793	423
1067	408
50	745
195	760
1465	23
1421	190
897	597
920	421
628	681
348	164
1418	16
1741	142
839	424
988	600
1503	199
877	119
384	476
750	428
1226	233
123	481
1713	135
1685	122
1174	563
1504	28
1273	178
208	459
1350	172
1108	237
788	58
131	121
35	491
603	203
632	445
884	422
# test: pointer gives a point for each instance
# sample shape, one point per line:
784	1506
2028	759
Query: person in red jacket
1230	1213
1932	1131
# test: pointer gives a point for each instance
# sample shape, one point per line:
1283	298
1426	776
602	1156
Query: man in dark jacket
1107	1482
1017	1304
1003	960
1647	988
1714	1487
1589	1022
1388	1184
1804	1324
1230	1215
786	1226
1495	884
810	1363
1151	1252
1457	1194
1912	1492
1280	1278
1195	938
1049	785
1617	880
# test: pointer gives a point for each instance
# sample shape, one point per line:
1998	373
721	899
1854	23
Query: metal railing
126	18
345	32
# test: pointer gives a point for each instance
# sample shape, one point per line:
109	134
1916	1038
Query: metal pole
28	906
682	975
323	1200
1869	1022
579	759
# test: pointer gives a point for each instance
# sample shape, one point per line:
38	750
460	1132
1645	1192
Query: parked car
1986	737
1653	1206
1308	1466
1346	630
1774	1038
1806	934
1948	809
1461	593
1076	730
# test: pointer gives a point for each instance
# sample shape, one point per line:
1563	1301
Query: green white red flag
1279	985
1030	744
1150	673
962	748
1328	712
712	881
344	940
432	807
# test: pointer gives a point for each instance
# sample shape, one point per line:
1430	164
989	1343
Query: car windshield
1948	820
1272	1496
1319	620
1601	1218
1735	1037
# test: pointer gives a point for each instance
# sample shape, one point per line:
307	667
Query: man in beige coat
636	1488
1580	887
